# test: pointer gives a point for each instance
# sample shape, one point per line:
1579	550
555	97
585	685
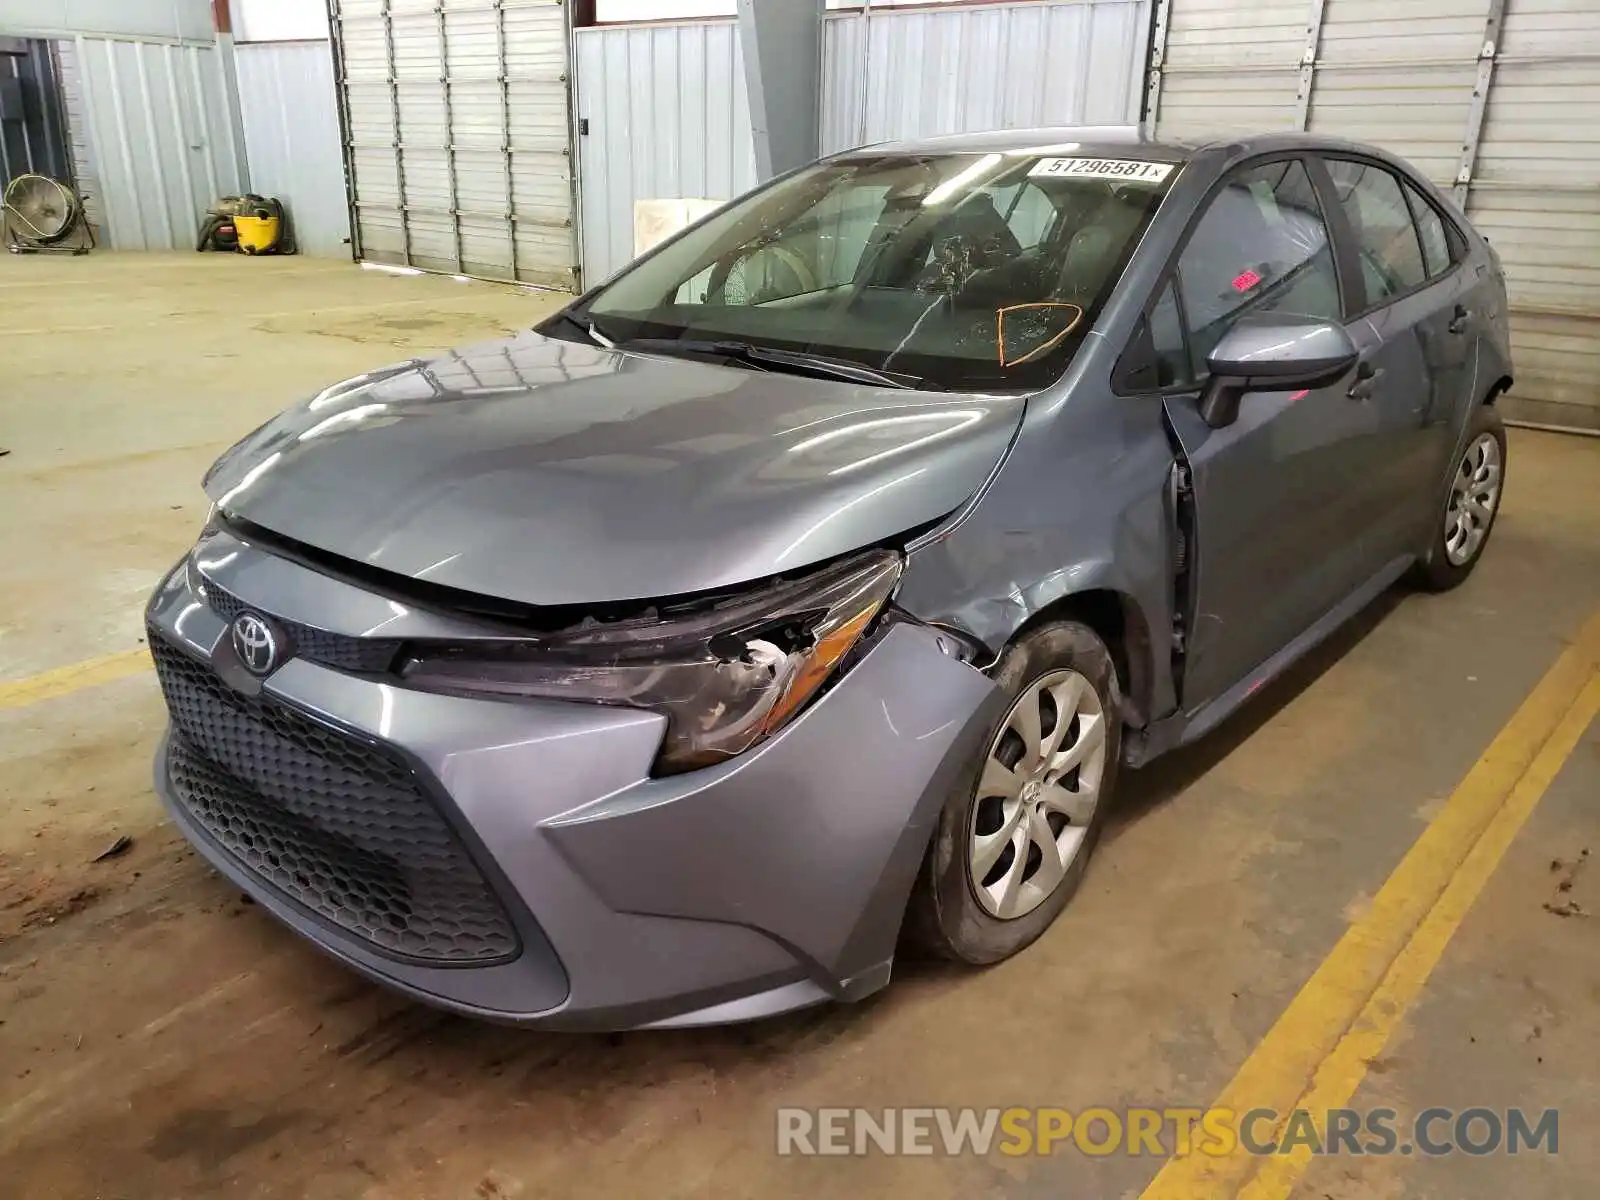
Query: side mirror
1273	353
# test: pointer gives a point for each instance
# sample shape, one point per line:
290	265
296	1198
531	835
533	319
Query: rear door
1276	493
1414	331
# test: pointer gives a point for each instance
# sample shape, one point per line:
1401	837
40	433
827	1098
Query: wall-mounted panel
291	133
931	71
668	118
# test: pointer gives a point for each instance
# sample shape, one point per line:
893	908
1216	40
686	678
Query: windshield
960	271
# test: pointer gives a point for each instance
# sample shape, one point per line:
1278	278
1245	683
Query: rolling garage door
458	136
1495	100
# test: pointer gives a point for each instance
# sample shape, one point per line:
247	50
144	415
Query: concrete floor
158	1037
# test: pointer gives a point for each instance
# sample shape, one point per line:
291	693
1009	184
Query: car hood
548	472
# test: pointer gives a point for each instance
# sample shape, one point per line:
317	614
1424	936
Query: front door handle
1367	377
1459	319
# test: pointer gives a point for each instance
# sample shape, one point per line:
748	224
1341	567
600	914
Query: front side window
1386	237
975	271
1168	346
1157	356
1261	246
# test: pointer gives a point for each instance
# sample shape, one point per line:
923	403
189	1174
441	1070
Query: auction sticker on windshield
1124	170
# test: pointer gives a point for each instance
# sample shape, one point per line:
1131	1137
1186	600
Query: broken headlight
725	676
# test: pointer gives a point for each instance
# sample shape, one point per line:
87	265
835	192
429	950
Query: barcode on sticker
1125	170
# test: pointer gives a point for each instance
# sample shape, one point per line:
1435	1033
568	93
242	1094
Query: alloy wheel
1474	495
1037	795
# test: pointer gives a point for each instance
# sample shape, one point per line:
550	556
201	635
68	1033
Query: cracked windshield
948	271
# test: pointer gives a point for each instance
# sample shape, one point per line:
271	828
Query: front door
1276	495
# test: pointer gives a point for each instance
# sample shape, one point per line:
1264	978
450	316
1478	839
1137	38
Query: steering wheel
951	264
739	279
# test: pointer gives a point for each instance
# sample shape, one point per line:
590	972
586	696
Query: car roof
1108	140
1086	139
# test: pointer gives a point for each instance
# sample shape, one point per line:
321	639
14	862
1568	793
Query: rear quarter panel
1491	364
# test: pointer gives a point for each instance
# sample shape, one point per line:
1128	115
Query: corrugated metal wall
291	133
1399	74
1412	76
1229	66
927	71
152	139
32	124
1536	194
459	135
668	118
174	19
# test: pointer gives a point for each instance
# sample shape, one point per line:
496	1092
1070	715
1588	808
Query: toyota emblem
255	643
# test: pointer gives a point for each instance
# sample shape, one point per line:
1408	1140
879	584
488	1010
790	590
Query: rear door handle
1458	320
1367	377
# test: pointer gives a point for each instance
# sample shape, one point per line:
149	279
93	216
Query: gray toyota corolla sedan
796	595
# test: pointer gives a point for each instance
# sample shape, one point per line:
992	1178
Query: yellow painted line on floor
1341	1073
1318	1052
63	681
461	306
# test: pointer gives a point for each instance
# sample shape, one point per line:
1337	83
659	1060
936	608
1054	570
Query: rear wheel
1471	505
1010	850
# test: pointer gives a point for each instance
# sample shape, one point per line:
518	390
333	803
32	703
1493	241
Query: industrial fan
41	215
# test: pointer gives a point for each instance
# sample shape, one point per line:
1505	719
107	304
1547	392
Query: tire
954	915
1449	561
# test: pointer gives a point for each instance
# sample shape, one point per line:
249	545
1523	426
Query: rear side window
1261	246
1430	228
1386	237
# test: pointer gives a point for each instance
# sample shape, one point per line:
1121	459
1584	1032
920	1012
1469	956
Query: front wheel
1471	505
1010	850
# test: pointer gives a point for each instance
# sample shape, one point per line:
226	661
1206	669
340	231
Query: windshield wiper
769	358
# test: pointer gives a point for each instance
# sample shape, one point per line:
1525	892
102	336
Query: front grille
338	826
337	650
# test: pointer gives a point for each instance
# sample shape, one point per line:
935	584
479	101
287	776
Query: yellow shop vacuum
248	224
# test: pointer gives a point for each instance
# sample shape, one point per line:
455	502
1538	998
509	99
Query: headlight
726	676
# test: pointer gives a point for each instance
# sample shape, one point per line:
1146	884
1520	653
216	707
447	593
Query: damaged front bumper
769	882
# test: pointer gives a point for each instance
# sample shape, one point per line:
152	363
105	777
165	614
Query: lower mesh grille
336	825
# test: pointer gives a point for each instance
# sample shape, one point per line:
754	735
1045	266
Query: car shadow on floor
1148	788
